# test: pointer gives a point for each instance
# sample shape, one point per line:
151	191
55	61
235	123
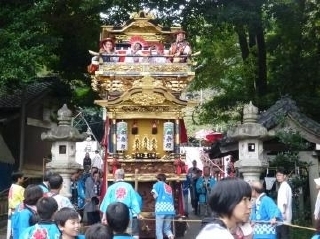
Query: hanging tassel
154	128
134	129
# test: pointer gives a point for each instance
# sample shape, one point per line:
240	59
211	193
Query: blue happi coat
263	210
123	192
20	219
204	186
164	199
48	230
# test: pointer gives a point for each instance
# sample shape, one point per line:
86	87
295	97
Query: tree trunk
243	42
261	80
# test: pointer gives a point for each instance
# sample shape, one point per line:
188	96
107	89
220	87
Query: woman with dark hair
230	202
26	213
68	221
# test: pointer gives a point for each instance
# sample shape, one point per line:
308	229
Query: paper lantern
122	136
168	136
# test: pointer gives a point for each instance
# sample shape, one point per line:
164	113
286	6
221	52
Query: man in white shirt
56	183
97	161
284	202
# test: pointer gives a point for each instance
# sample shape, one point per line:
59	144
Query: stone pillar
250	136
63	149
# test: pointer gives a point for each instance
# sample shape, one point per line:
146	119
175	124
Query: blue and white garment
204	186
164	199
123	192
185	186
316	236
122	236
44	187
264	210
48	230
20	219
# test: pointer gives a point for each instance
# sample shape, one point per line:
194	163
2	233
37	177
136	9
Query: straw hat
106	40
179	31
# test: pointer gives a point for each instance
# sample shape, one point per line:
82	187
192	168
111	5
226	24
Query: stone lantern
250	136
63	149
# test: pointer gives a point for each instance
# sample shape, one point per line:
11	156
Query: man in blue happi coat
204	186
164	207
265	213
120	191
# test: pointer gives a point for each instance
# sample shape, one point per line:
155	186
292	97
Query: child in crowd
118	218
56	183
68	221
26	212
46	227
99	231
15	197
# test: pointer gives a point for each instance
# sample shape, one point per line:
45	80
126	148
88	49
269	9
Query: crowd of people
139	51
41	212
236	209
231	208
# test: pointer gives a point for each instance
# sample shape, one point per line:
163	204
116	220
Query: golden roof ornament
142	14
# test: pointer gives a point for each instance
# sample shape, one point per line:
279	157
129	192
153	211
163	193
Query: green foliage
90	117
25	46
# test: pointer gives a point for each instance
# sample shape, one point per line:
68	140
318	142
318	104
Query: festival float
144	109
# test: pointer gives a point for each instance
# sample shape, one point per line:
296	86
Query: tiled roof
13	100
283	108
286	107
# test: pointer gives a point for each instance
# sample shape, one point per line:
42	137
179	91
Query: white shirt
317	207
285	198
97	161
214	231
62	201
156	58
133	57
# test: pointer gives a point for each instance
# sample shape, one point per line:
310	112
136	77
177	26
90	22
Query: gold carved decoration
139	83
147	108
143	143
145	99
142	14
174	68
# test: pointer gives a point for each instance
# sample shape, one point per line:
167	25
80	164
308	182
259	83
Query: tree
25	46
250	50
